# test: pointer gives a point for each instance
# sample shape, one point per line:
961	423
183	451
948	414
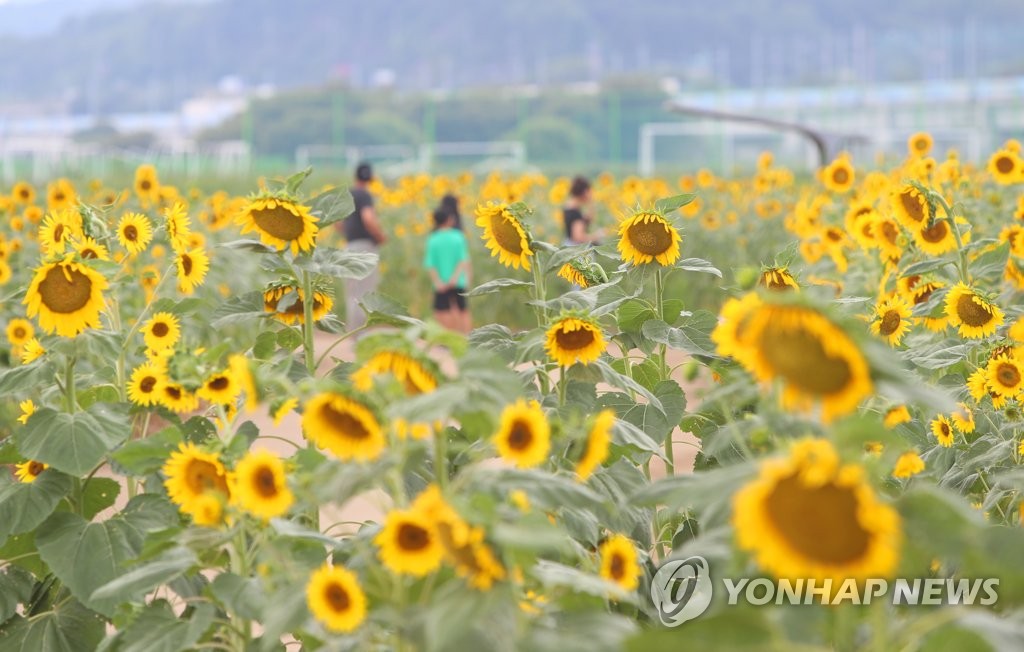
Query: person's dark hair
579	187
441	217
364	172
450	203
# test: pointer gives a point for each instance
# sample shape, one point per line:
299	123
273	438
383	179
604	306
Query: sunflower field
797	378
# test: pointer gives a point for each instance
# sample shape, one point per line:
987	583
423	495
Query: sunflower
838	176
5	272
258	485
178	225
57	230
963	419
60	195
162	331
733	324
919	144
335	598
23	193
575	339
815	359
911	208
892	319
147	186
524	436
414	430
67	296
464	545
504	235
647	237
134	232
936	239
777	278
283	408
343	426
220	388
208	510
975	316
574	275
31	351
295	312
19	332
887	235
1005	167
239	367
943	430
409	543
598	440
28	408
407	370
176	398
619	562
895	416
88	249
144	386
29	471
809	516
192	267
908	465
191	473
1005	376
281	223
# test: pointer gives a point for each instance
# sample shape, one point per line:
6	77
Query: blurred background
228	87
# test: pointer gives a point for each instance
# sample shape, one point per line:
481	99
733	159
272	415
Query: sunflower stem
561	385
307	322
961	254
539	293
69	383
441	458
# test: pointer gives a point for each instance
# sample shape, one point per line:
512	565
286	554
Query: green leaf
331	206
99	494
733	629
657	423
693	337
158	629
16	587
69	627
621	381
292	183
339	263
592	631
145	456
497	285
17	379
632	315
24	505
145	577
237	309
667	205
98	394
694	490
554	575
242	596
698	265
925	266
74	443
289	339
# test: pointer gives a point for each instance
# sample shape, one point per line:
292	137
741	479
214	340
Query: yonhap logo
681	590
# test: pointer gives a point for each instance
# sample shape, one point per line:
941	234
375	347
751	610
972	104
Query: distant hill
37	17
153	55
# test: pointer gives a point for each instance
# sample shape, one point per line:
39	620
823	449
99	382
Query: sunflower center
913	205
201	476
131	234
145	184
520	435
890	322
147	384
35	468
174	393
945	429
651	238
19	332
23	193
819	522
1004	164
580	338
58	233
890	231
799	357
59	196
617	567
971	313
337	597
1008	375
924	293
279	222
507	234
936	232
264	482
412	537
921	144
160	329
345	423
65	290
88	253
841	175
186	264
219	383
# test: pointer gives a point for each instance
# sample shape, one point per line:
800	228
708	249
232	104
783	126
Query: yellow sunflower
176	398
575	339
895	416
409	544
144	386
975	316
504	235
839	175
963	419
147	186
281	223
892	319
23	193
919	144
283	409
936	239
89	249
31	351
335	598
162	331
208	510
410	372
777	278
259	487
19	332
908	465
809	516
524	435
1005	376
220	388
190	473
192	267
814	358
134	232
5	272
569	272
619	562
28	408
343	426
1006	167
886	233
733	324
238	365
66	296
29	471
57	230
60	195
943	430
178	225
647	237
911	207
295	312
598	441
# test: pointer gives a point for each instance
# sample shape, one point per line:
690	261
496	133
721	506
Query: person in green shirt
447	261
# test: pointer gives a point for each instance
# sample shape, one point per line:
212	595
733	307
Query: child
447	260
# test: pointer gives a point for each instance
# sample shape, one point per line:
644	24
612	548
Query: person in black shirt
363	233
578	214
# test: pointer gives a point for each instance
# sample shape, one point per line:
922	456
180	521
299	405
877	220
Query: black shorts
444	300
